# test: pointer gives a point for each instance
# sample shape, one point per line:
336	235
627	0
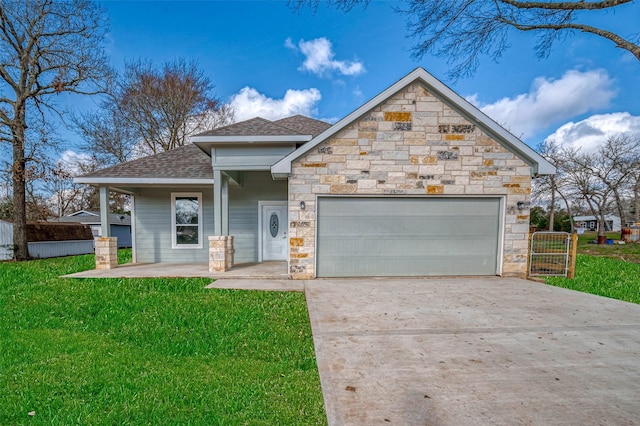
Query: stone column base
230	251
220	253
106	252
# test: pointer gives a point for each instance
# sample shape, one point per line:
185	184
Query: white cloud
551	101
249	103
320	58
72	161
593	131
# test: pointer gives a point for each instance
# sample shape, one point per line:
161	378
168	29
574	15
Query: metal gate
549	254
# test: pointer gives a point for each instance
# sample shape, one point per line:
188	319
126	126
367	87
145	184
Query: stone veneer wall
413	144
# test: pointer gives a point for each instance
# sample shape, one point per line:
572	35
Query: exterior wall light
522	205
302	205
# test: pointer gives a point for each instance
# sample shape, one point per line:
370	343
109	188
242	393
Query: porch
264	270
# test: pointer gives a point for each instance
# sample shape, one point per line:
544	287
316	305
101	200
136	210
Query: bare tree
47	47
619	160
587	185
635	206
463	30
59	183
551	186
162	108
605	178
106	135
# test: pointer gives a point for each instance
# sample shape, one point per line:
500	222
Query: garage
407	236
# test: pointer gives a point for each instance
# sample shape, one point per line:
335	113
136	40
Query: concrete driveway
473	351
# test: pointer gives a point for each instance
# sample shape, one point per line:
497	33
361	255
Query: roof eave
100	181
250	139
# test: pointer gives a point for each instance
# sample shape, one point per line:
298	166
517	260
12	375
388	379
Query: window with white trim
186	220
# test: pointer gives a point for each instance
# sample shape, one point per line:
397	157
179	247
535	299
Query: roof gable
84	213
538	164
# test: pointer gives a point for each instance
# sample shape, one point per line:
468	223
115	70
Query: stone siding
412	144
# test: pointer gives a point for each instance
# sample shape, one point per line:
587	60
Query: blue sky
269	60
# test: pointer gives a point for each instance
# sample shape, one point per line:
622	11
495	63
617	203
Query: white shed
6	240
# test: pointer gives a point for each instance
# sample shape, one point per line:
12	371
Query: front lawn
611	270
626	252
604	276
150	351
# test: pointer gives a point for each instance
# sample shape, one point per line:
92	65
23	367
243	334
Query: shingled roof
189	163
296	125
185	162
304	125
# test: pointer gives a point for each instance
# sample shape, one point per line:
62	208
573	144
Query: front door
273	232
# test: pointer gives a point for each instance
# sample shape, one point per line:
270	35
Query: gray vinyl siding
6	240
153	219
239	158
46	249
123	233
368	236
153	226
243	211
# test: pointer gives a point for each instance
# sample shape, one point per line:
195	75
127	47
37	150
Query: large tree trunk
21	249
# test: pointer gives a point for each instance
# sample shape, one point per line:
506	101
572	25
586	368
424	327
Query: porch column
106	252
220	203
105	226
220	253
220	244
106	247
225	205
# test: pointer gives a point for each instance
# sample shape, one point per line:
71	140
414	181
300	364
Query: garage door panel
377	247
407	236
422	226
410	266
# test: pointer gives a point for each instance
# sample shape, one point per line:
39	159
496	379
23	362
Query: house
590	223
46	239
119	224
6	240
415	182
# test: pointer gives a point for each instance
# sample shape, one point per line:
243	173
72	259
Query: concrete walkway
241	271
486	351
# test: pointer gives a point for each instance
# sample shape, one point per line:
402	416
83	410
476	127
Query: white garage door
368	236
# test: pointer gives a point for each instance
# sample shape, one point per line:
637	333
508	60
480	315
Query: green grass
604	276
624	252
150	351
606	270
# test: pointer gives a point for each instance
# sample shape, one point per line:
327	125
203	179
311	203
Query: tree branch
618	40
565	5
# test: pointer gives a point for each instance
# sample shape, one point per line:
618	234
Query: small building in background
120	224
590	223
45	239
6	240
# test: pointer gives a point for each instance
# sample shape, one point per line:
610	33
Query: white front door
273	230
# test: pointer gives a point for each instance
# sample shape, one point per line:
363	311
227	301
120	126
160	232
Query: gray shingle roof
295	125
189	162
185	162
304	125
254	127
114	218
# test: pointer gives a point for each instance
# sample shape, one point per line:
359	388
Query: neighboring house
415	182
119	224
6	240
46	239
590	223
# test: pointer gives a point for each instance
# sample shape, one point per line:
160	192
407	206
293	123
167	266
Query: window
186	220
